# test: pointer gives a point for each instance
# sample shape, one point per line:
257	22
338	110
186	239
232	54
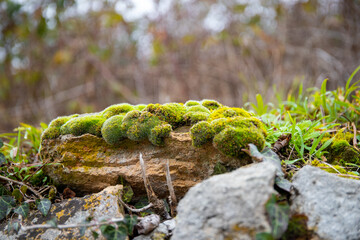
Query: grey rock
164	230
100	206
227	206
331	203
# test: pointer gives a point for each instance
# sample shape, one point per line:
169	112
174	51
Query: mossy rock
210	120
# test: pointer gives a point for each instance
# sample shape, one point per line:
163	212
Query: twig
49	226
354	139
346	175
22	184
135	210
173	201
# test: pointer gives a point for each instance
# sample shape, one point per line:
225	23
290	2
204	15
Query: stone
87	163
103	205
331	203
163	231
227	206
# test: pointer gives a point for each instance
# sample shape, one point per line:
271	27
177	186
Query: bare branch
173	201
135	210
22	184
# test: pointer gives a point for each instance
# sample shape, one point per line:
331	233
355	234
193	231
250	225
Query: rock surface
89	163
227	206
163	231
100	206
331	203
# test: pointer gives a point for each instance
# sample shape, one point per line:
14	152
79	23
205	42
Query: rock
148	223
163	231
331	203
100	206
87	163
227	206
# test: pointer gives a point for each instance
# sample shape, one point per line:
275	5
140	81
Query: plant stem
22	184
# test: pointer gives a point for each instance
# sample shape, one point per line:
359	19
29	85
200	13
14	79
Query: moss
158	134
232	140
341	152
227	112
196	114
198	108
53	131
171	113
84	124
139	107
112	130
192	103
331	168
211	104
201	133
297	228
117	109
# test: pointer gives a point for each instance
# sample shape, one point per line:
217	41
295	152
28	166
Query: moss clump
201	133
211	104
232	140
139	107
171	113
117	109
112	130
53	131
331	168
341	152
139	126
227	112
84	124
196	114
192	103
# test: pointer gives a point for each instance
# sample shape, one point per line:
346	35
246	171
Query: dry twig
173	201
22	184
354	139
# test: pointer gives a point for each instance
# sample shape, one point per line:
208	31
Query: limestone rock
331	203
227	206
103	205
87	163
163	231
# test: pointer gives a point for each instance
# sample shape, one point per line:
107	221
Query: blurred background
59	57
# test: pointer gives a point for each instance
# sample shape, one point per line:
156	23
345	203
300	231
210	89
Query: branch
22	184
49	226
173	201
135	210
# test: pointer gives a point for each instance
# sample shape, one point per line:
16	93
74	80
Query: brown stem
22	184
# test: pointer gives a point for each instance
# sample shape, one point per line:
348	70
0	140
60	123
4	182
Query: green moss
232	140
198	108
211	104
53	131
192	103
112	130
297	228
331	168
227	112
84	124
117	109
196	114
158	134
341	152
201	133
139	107
171	113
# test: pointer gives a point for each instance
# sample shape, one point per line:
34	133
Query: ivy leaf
13	226
264	236
52	222
283	184
1	143
112	233
278	216
23	210
94	234
6	205
3	190
130	222
2	159
43	205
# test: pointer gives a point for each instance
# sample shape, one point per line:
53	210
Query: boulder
227	206
103	205
87	163
330	203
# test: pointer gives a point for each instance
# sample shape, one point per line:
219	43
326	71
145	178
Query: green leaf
1	143
2	159
17	195
112	233
130	222
23	210
283	184
264	236
3	190
43	205
278	216
94	234
13	226
52	222
6	205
